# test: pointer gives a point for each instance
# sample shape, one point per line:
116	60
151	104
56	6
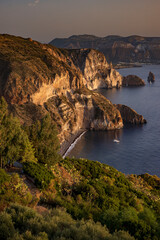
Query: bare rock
95	69
151	77
132	80
129	115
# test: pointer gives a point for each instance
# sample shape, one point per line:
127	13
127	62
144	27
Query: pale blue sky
44	20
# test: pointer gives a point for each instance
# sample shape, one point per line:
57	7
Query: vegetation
38	143
43	136
89	200
21	223
91	190
13	189
41	175
14	142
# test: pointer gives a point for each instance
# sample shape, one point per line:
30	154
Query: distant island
117	49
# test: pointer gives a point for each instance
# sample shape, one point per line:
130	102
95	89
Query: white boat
116	141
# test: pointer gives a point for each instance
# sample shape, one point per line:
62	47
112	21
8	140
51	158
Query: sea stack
132	80
151	77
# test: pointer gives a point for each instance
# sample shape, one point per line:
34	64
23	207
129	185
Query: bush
6	226
22	223
42	176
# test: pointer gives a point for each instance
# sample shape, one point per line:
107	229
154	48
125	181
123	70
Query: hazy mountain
116	48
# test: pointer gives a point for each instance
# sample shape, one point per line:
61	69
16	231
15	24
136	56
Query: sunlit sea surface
139	148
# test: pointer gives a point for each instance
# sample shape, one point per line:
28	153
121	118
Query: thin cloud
33	4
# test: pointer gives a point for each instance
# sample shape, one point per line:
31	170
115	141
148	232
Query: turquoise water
139	148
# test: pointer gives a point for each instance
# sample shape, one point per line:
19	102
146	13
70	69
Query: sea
137	150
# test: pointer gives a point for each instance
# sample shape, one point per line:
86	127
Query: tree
14	142
43	136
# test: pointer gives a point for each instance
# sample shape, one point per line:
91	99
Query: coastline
67	145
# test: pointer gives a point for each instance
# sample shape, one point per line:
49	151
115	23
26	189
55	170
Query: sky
44	20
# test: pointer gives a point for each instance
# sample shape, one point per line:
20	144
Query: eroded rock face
84	110
37	79
151	77
132	80
97	72
73	111
130	116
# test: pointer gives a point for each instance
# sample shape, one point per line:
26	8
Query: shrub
42	176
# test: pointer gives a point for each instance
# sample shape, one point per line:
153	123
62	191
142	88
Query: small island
151	77
132	80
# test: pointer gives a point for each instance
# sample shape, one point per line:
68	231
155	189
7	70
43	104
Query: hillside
83	200
37	79
116	48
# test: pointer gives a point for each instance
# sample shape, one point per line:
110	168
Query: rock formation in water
132	80
116	48
130	116
151	77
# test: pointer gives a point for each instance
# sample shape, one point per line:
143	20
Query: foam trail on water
73	144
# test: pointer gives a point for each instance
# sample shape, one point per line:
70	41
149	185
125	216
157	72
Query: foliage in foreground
43	136
91	190
13	189
22	223
14	142
39	142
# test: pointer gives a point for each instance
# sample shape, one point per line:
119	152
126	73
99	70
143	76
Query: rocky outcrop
95	69
37	79
132	80
73	112
35	72
116	48
151	77
129	115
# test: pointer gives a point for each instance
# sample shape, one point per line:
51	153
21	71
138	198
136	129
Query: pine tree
29	152
14	142
43	136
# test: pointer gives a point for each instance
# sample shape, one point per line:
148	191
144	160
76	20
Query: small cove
139	148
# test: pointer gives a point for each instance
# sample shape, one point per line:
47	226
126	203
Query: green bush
42	176
22	223
13	189
6	226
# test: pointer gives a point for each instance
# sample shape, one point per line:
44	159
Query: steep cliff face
116	48
97	72
36	79
129	115
29	71
73	112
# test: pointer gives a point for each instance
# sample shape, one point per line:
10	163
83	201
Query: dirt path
31	186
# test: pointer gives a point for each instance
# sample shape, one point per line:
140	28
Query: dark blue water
139	148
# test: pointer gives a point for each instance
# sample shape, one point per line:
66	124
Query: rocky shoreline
71	140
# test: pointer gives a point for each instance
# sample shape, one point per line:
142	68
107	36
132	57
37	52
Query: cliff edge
37	79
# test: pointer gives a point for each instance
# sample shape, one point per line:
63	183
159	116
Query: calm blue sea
139	148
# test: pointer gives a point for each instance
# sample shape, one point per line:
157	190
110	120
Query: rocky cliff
95	69
36	79
132	80
116	48
130	116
